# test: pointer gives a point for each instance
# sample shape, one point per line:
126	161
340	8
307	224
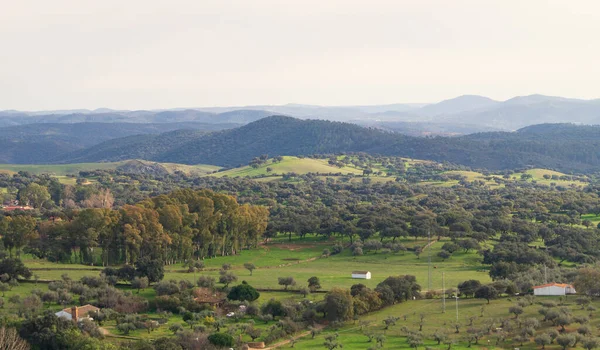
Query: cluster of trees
342	304
182	225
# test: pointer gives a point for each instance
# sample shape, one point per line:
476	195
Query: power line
443	294
429	258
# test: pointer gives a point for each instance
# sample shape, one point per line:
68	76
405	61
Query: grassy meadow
287	165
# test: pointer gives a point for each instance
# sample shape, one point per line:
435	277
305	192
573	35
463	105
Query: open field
352	337
303	261
288	165
59	169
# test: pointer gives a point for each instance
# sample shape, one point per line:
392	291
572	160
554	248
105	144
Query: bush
243	292
167	303
221	339
166	288
206	282
337	248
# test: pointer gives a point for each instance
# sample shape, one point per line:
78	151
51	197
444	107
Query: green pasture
288	165
352	336
303	261
59	169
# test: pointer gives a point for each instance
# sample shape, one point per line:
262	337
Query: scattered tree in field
153	269
226	277
253	332
440	337
590	343
468	288
243	292
304	291
583	301
543	340
175	328
565	340
516	310
331	342
486	292
250	267
126	327
314	284
140	283
380	339
414	340
286	282
390	321
418	250
444	254
206	282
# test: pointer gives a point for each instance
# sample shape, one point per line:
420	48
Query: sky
150	54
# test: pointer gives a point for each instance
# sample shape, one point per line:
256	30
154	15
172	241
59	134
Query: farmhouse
361	274
77	313
16	207
554	289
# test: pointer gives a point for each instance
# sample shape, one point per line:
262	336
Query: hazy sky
138	54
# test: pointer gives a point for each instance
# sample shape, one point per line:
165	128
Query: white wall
550	290
366	276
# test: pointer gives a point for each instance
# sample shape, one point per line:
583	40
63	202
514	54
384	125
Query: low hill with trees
564	147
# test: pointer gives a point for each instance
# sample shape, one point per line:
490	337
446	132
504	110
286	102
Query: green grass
287	165
303	261
61	170
353	338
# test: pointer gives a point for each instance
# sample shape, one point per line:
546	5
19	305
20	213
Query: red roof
16	207
562	285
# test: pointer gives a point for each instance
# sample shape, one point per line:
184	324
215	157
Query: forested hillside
564	147
40	143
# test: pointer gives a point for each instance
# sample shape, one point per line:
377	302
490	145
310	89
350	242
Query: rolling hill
565	147
43	142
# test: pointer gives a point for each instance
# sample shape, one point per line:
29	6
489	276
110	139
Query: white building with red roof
554	289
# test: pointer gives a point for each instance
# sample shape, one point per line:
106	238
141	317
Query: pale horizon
133	55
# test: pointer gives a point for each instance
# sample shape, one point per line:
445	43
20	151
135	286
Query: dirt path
429	244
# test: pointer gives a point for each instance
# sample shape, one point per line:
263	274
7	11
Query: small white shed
554	289
366	275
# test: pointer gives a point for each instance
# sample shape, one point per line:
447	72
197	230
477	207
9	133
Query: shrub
221	339
243	292
337	248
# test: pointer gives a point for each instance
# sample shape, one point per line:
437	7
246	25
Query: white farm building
554	289
366	275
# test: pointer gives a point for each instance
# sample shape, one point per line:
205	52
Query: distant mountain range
231	136
468	113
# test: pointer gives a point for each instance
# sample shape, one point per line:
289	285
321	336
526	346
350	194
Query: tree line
175	227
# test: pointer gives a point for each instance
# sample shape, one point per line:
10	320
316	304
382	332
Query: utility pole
456	299
443	294
429	258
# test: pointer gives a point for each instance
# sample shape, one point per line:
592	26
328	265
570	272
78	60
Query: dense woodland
562	147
